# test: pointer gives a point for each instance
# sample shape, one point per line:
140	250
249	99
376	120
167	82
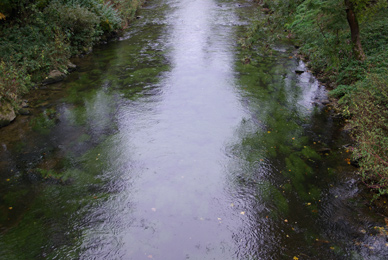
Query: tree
354	30
356	9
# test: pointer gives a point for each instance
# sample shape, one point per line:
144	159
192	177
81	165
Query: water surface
165	144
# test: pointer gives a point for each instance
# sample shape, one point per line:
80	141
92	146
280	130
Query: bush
370	121
37	36
76	22
127	9
14	82
109	18
33	43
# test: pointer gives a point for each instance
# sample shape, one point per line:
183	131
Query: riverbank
358	88
38	39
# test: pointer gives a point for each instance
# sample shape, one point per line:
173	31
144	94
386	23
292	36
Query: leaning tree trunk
354	31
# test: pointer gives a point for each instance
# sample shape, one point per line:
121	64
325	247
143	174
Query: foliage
76	22
14	81
127	9
41	35
370	121
48	51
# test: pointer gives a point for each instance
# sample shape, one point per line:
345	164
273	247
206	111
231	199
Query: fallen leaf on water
8	179
293	138
308	204
10	208
153	209
295	258
242	212
232	205
219	218
269	132
149	256
286	220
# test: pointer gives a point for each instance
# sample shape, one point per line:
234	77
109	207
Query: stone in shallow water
7	114
53	77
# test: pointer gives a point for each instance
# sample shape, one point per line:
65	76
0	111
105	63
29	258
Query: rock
53	77
25	104
324	150
7	113
24	112
71	67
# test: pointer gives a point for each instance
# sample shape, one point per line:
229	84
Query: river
165	144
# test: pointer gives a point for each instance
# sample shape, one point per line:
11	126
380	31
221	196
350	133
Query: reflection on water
164	145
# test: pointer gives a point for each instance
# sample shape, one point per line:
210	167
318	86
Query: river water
164	144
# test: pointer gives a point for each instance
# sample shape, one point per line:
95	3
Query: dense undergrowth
321	30
37	36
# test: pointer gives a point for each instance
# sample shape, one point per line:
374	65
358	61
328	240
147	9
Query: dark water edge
261	172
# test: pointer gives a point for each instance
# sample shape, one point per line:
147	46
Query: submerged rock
71	67
7	113
324	150
24	112
53	77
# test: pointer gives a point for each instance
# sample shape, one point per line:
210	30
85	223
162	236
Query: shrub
109	18
370	121
13	82
37	36
76	22
127	9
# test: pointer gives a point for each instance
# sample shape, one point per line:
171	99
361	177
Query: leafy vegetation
39	36
345	44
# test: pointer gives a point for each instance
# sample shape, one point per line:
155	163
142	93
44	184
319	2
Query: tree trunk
354	31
